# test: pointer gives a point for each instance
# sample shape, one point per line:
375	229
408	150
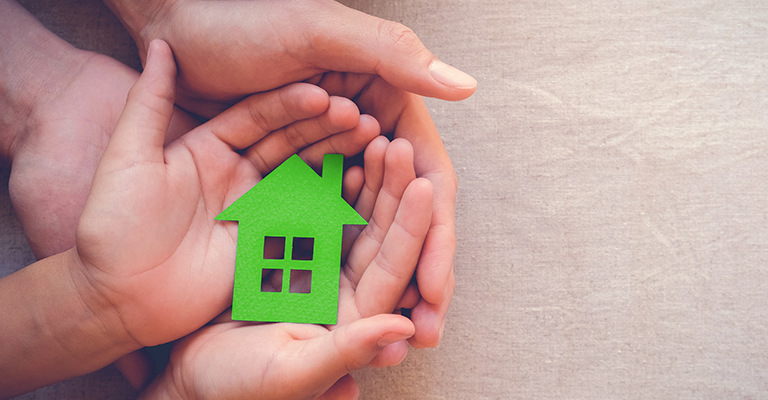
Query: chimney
333	171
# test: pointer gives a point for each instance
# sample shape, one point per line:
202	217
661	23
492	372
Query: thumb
350	347
357	42
140	131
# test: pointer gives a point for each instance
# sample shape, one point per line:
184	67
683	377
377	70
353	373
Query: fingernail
391	337
450	76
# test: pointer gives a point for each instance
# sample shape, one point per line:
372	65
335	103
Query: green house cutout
300	216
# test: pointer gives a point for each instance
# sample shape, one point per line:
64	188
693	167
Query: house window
301	281
271	280
274	248
303	248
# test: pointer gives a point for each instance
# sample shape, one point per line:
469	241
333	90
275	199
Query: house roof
294	194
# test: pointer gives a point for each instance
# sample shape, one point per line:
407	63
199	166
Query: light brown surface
612	217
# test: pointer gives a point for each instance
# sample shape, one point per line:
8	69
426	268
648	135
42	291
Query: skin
61	106
131	282
227	50
232	359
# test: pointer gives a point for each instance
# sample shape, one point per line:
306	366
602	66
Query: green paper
291	202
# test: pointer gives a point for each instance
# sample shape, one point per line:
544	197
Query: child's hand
231	359
229	49
147	239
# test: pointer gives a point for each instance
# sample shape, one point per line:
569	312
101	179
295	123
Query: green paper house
299	216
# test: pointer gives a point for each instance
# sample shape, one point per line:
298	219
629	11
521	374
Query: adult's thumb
350	40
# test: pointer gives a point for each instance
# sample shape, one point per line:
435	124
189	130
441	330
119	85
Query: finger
436	261
257	116
137	367
354	178
374	176
387	276
353	182
351	41
411	296
429	319
391	355
344	388
431	161
349	142
398	173
329	357
140	131
341	115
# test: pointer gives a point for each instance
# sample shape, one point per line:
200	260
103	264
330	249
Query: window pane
301	281
303	248
271	280
274	248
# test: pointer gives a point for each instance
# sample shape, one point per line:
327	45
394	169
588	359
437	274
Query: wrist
55	326
103	316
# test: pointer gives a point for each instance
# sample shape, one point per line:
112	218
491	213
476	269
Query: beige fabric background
612	217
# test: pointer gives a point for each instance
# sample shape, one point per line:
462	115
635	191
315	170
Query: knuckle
258	118
400	36
294	138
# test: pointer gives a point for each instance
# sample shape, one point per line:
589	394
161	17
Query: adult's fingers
432	162
347	40
429	318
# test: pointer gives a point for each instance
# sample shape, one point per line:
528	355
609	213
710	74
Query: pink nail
450	76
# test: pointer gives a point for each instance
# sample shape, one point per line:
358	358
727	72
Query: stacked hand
160	281
182	275
230	359
147	237
227	50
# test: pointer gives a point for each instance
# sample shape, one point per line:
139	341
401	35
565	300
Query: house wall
318	306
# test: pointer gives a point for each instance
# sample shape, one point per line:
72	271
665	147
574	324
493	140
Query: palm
404	115
269	43
305	361
147	237
182	276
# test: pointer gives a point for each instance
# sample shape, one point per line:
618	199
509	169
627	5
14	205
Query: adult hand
225	50
296	361
59	111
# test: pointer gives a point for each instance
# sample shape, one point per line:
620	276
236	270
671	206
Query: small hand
378	63
230	359
404	115
147	238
